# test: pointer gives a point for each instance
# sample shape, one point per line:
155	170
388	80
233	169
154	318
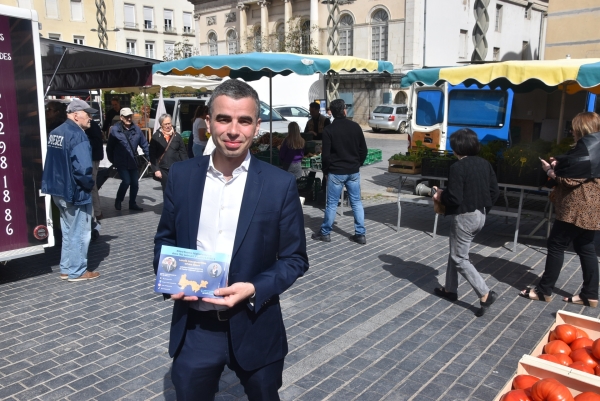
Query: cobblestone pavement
362	323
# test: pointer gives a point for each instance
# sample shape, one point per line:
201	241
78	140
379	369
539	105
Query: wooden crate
590	325
575	380
404	167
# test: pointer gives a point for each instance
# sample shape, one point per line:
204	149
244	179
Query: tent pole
562	112
144	109
271	116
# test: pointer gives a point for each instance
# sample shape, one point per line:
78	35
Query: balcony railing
130	25
149	27
170	29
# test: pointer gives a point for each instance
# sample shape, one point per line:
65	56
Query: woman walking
291	151
576	198
166	148
471	193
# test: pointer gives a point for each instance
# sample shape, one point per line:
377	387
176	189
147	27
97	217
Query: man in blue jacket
68	178
124	139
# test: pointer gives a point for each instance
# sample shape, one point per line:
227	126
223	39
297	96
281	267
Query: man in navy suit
232	203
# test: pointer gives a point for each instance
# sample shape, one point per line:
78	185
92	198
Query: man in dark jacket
67	177
94	134
317	124
344	151
111	114
124	139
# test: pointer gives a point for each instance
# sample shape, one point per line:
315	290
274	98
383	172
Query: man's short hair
115	99
234	89
314	105
337	108
464	142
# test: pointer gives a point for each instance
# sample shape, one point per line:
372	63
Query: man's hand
182	297
158	174
232	295
438	194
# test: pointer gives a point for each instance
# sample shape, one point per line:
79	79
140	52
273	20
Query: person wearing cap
123	142
68	178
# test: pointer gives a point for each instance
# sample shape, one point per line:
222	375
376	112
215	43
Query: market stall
518	168
253	66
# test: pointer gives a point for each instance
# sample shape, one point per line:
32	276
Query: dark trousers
561	236
129	178
163	181
206	350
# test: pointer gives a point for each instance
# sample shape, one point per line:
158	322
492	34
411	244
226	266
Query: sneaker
136	207
359	239
117	204
85	276
320	237
64	276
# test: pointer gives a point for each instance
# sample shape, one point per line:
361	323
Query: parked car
181	109
295	113
280	124
389	116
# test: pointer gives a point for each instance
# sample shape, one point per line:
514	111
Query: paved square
362	323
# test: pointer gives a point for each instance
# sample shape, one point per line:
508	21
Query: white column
414	26
314	22
264	17
243	26
287	12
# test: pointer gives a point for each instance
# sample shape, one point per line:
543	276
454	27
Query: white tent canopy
174	84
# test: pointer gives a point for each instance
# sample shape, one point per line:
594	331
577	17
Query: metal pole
271	116
562	112
55	71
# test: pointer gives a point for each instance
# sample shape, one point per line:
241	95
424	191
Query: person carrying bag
166	148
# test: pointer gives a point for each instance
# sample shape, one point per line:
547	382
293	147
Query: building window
498	24
24	3
169	51
187	22
305	38
232	42
52	9
169	21
79	40
257	40
187	51
131	47
150	49
462	43
129	16
212	44
149	18
76	10
496	54
345	31
280	33
54	36
379	35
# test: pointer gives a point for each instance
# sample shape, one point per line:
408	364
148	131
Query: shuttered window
129	16
76	10
52	9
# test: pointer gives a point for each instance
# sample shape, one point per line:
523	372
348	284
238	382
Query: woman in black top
166	148
472	191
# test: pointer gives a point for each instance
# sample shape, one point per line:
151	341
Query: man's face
314	112
127	120
51	112
115	105
83	119
233	125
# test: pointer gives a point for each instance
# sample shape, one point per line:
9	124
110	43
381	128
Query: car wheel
376	129
402	127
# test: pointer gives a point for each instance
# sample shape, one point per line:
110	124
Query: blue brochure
193	272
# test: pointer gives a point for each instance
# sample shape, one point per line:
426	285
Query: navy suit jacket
269	251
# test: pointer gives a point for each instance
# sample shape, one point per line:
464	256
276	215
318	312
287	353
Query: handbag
140	160
154	177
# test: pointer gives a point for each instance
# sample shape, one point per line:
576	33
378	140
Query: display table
507	212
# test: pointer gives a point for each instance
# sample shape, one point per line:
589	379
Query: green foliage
491	150
137	101
181	50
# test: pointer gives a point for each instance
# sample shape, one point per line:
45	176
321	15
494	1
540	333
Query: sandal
441	292
539	296
583	300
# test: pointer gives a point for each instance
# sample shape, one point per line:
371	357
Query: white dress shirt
221	205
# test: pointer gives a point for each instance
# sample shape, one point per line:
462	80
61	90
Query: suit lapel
252	191
195	194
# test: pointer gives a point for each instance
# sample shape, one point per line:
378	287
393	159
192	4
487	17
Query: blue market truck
437	111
